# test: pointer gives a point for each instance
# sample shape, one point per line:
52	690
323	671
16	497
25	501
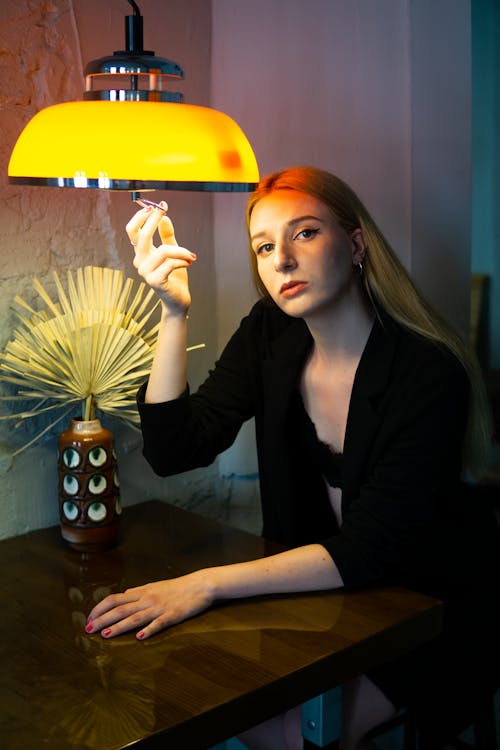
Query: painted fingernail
140	635
89	627
106	632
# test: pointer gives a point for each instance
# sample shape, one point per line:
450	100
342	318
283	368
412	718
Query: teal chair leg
320	722
232	744
321	718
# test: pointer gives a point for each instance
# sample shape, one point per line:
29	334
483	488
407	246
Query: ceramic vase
89	490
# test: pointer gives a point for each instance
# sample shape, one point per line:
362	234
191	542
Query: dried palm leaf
91	346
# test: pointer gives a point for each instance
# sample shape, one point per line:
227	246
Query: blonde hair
389	286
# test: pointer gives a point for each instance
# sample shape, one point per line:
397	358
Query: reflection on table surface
61	688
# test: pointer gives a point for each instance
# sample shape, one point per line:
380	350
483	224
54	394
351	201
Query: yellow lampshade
132	133
133	145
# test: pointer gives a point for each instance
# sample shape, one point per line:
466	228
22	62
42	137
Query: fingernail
140	635
193	255
89	627
106	632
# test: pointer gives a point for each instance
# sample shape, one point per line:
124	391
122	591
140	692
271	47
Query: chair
481	735
321	728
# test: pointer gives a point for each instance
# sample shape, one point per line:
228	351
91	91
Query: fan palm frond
94	345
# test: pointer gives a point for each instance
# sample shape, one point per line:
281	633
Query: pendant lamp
93	143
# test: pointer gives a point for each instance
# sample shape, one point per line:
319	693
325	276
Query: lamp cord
135	7
134	33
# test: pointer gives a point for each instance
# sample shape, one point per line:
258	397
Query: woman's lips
292	288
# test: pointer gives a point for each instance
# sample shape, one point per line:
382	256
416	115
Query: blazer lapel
369	385
280	378
281	371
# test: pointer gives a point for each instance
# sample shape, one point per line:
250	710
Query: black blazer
404	518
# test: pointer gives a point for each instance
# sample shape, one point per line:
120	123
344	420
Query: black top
327	461
406	516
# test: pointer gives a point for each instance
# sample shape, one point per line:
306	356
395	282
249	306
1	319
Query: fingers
158	267
150	608
166	231
133	227
143	225
114	601
149	227
141	229
119	613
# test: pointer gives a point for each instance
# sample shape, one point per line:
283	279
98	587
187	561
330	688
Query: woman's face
305	259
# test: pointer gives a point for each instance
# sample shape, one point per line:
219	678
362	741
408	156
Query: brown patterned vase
89	491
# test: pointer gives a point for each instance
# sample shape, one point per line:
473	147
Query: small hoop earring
360	268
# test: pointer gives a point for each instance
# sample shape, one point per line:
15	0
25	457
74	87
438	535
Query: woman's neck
344	331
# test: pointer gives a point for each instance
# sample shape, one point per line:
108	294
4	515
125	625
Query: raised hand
163	268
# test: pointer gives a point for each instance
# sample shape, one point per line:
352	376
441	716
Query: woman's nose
283	257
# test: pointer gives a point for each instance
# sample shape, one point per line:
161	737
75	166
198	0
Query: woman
367	407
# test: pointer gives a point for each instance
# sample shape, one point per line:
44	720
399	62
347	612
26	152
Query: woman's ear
358	247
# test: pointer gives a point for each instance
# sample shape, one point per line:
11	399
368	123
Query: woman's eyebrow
289	224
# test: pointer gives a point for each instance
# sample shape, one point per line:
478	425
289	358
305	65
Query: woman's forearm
163	603
308	568
168	376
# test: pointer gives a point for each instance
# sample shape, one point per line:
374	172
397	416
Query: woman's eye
263	249
307	234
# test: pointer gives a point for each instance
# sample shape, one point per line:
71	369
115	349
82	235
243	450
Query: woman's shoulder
419	355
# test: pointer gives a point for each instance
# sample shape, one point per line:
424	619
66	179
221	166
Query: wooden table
196	684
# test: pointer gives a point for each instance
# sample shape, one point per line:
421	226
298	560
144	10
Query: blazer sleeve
399	517
192	430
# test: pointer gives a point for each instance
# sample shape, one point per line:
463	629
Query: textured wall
43	49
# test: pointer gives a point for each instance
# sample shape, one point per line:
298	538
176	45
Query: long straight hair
390	288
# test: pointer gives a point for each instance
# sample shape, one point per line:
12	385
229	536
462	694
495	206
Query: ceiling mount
132	74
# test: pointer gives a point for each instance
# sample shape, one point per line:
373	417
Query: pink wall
378	92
